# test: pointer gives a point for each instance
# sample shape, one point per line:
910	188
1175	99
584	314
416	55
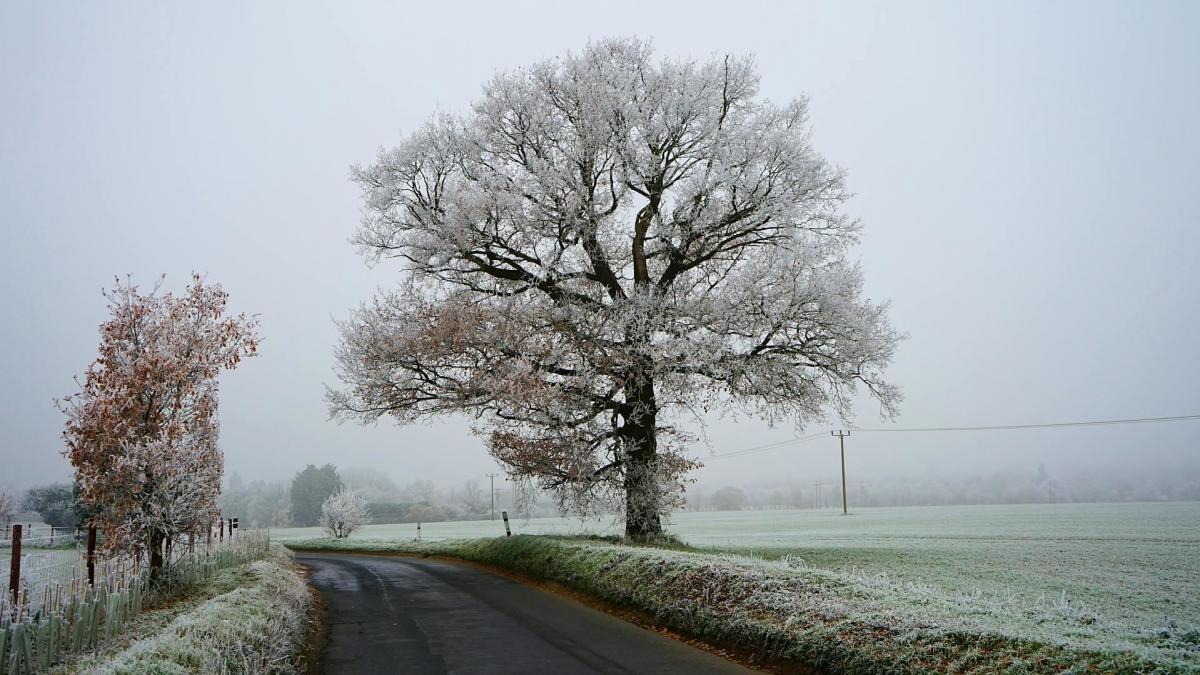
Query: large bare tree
605	243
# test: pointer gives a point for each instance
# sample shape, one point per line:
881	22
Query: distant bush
387	512
425	513
405	512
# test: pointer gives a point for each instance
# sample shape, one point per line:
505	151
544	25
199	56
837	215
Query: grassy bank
248	619
786	611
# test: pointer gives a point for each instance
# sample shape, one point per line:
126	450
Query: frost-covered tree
420	492
603	243
472	497
8	510
729	498
373	484
344	512
142	430
55	503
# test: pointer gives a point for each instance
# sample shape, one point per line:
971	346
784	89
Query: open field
1132	569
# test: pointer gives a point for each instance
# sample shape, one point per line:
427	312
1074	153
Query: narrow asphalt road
412	615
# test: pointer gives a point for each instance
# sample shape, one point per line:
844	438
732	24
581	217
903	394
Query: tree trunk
643	499
156	556
642	517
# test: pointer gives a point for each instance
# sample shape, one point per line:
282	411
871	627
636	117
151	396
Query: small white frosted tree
344	512
604	244
8	509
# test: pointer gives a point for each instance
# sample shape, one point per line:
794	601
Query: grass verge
807	618
250	619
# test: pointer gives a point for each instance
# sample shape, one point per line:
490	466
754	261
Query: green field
1129	572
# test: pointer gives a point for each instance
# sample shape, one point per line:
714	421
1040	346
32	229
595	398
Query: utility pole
816	494
842	440
492	479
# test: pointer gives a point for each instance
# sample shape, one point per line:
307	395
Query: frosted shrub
344	512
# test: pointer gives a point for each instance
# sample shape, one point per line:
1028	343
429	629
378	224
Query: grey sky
1026	174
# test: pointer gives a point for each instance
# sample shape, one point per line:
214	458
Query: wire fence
69	599
46	537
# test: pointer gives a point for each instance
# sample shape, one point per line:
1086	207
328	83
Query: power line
1047	425
768	446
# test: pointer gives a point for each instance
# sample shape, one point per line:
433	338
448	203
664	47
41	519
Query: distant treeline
1003	487
297	503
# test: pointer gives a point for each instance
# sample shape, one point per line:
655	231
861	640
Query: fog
1026	174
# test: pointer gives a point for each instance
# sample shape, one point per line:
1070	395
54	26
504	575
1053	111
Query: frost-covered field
1135	567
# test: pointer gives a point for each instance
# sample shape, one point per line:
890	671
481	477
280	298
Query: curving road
412	615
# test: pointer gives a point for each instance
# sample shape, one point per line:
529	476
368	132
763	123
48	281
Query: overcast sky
1028	176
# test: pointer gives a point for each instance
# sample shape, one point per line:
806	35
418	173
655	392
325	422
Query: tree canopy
310	488
55	503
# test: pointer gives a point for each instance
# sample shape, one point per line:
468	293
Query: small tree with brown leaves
142	430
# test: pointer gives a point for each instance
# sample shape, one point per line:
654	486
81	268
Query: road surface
413	615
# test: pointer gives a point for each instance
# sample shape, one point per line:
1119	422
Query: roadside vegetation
786	612
247	619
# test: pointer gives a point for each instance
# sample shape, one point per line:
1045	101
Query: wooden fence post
222	521
14	573
91	555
